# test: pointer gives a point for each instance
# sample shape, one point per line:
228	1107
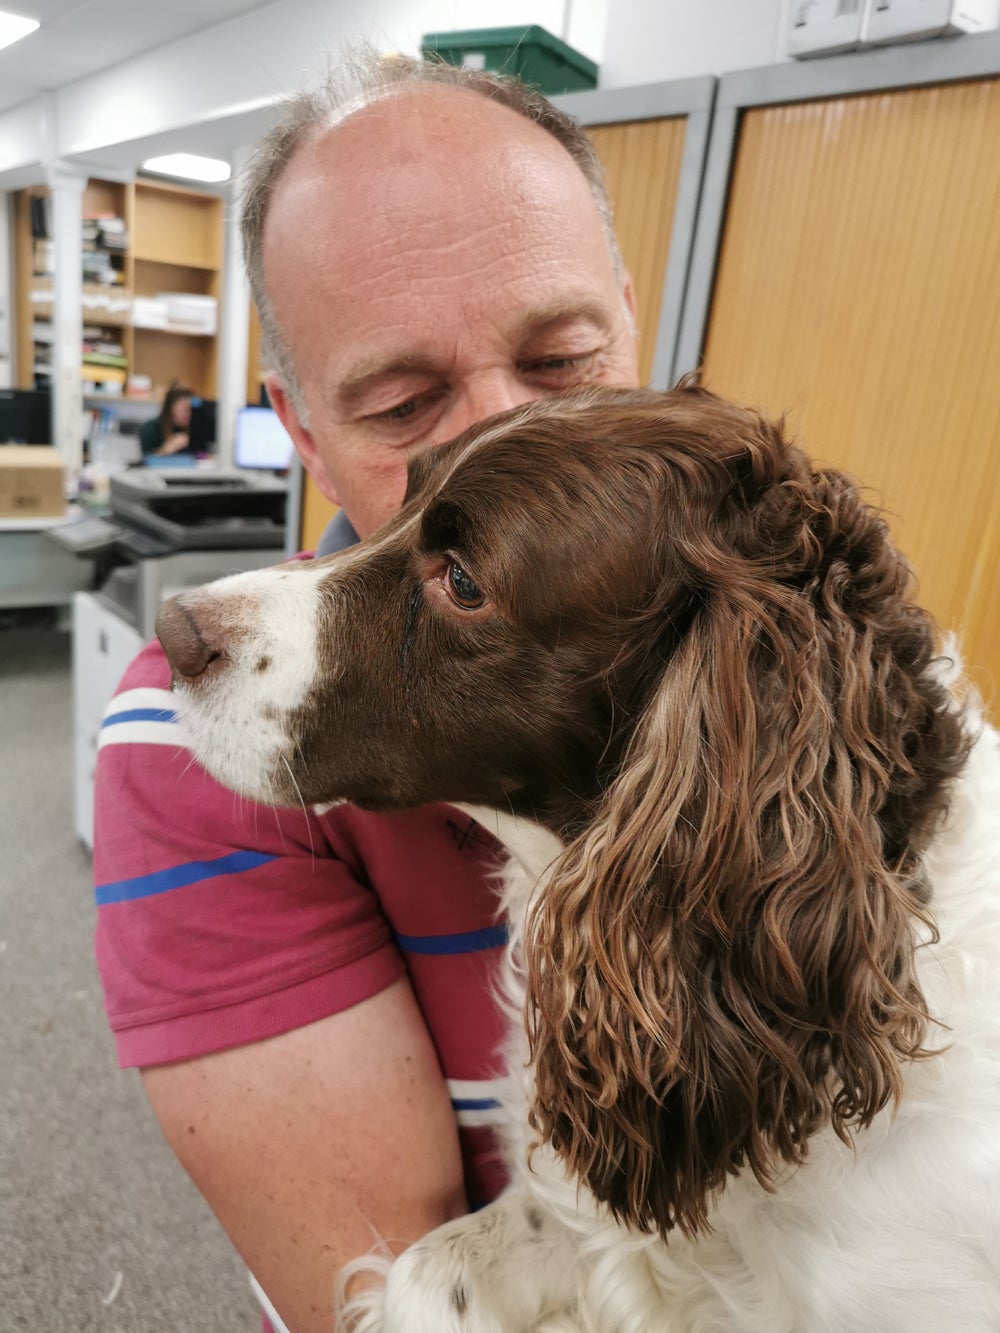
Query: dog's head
645	620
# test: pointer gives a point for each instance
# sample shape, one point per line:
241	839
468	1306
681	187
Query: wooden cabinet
856	292
642	164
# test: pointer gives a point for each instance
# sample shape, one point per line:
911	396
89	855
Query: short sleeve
220	921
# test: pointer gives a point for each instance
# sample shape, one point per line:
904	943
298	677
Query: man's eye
422	405
556	364
401	411
463	589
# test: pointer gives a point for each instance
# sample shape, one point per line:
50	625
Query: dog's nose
192	644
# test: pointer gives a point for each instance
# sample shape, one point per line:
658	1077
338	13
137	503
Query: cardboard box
32	481
913	20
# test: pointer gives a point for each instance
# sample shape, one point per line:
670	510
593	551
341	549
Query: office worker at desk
169	433
309	997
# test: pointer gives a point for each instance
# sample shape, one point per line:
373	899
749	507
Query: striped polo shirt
222	922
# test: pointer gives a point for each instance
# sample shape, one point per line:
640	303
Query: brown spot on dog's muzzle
192	638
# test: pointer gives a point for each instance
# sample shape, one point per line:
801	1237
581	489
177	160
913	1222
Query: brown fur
723	960
697	661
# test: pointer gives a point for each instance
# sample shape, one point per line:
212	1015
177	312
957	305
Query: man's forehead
429	115
409	148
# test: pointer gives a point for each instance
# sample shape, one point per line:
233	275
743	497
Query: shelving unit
29	289
174	245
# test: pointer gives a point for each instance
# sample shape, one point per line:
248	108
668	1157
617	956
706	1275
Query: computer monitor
25	416
201	432
261	440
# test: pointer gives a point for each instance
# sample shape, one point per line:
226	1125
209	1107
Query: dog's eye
462	588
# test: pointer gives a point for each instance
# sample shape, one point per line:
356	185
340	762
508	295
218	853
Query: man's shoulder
149	669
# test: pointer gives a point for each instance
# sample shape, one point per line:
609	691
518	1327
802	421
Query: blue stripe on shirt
141	715
490	937
474	1103
178	877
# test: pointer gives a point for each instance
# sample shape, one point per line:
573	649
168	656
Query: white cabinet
103	646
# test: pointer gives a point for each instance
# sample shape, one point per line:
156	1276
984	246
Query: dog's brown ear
724	960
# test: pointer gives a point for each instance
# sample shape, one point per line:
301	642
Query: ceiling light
13	27
189	166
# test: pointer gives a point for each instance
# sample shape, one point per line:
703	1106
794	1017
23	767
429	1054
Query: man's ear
302	437
628	296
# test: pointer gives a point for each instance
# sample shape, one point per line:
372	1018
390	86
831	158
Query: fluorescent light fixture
189	166
13	27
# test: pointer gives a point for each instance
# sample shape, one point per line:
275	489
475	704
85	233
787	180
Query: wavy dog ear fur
723	961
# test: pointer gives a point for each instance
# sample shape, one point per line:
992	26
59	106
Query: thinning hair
362	78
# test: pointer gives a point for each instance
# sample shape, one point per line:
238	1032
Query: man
427	247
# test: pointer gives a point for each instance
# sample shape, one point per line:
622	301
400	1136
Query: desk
33	570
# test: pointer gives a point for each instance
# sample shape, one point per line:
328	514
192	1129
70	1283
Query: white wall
650	41
6	288
266	53
28	134
214	77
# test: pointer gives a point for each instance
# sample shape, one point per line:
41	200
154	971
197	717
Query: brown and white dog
754	887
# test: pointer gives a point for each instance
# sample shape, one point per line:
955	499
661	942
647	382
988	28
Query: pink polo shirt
222	922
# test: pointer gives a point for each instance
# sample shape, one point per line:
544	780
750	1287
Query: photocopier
193	510
174	528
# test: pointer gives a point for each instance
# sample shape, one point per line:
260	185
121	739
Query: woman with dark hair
168	433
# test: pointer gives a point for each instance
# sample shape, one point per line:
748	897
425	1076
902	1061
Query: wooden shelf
177	226
159	258
175	245
175	333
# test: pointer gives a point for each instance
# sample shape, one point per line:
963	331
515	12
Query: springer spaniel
754	886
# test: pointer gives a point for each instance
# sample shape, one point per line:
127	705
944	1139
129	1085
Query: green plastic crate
544	61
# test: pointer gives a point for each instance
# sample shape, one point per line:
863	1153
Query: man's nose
492	394
192	636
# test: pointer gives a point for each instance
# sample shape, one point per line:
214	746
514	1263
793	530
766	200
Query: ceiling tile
15	91
45	11
50	57
123	24
215	11
81	37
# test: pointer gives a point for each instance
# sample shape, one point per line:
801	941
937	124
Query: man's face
433	260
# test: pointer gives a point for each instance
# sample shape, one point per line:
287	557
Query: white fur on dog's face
239	728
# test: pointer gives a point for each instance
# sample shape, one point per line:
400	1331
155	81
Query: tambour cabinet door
858	291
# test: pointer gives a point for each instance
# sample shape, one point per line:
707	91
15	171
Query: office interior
808	208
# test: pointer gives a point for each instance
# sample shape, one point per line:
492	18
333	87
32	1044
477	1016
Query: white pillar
67	186
234	319
7	327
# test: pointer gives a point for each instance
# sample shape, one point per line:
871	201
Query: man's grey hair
361	79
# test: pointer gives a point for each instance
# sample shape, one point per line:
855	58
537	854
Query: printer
190	510
173	529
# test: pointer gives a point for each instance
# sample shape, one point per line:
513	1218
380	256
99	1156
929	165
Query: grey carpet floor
99	1227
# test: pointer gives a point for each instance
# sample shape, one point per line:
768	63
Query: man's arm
312	1145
